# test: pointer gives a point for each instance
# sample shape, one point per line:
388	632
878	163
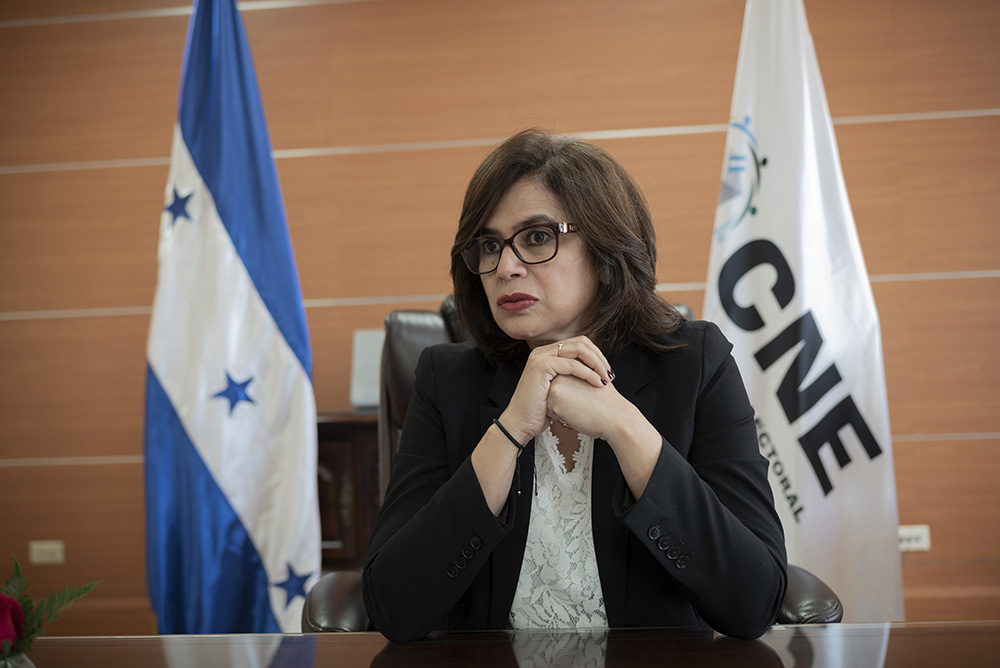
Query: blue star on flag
235	392
294	585
178	208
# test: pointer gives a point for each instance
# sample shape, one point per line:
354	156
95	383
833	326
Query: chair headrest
449	311
407	333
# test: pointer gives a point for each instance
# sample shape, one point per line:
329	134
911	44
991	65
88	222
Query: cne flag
788	285
232	519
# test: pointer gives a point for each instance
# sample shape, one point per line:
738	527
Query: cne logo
741	182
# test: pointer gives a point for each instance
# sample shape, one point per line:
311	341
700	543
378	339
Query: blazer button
461	562
682	561
654	532
453	571
468	552
476	543
673	552
663	544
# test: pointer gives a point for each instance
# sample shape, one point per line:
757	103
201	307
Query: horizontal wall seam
971	436
246	6
366	149
332	302
140	459
71	461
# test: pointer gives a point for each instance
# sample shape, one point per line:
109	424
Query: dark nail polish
604	381
611	374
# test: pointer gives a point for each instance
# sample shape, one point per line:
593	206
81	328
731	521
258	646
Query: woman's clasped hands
569	381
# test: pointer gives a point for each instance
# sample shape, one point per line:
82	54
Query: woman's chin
523	329
534	339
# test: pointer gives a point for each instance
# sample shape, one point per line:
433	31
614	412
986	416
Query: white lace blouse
559	585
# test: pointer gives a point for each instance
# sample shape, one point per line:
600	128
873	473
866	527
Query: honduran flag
232	521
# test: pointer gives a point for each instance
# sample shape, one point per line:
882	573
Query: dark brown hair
611	216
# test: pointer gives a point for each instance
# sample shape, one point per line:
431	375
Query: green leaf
38	613
28	608
16	587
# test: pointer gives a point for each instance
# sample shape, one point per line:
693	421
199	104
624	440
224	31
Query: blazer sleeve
435	529
709	518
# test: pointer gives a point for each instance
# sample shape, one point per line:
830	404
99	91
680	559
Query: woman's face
538	303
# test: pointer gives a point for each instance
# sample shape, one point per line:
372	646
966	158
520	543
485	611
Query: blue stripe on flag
216	581
222	122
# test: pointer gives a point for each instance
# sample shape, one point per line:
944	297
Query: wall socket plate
46	552
914	538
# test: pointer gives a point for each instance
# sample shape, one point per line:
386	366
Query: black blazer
703	546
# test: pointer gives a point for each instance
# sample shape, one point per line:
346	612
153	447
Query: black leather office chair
335	603
407	333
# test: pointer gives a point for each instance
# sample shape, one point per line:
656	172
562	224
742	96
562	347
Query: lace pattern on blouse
559	585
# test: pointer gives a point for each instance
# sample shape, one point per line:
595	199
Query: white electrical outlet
914	538
46	552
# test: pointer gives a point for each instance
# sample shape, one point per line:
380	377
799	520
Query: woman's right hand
527	414
495	458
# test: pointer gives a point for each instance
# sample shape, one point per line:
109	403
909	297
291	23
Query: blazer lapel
611	536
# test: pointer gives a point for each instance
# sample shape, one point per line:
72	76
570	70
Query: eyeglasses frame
559	228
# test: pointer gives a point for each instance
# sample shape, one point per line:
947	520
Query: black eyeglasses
532	245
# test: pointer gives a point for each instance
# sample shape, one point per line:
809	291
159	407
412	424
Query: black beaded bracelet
507	434
517	468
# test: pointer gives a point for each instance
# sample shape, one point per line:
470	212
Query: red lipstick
517	302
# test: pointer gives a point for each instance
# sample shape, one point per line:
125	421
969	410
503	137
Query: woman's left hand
603	413
594	411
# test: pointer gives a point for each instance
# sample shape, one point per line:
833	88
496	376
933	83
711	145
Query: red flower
11	619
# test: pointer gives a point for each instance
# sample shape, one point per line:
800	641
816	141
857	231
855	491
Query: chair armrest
335	604
808	600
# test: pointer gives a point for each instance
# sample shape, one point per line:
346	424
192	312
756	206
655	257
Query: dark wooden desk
963	644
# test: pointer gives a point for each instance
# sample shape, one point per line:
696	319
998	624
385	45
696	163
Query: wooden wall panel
949	485
942	367
341	74
72	387
856	60
462	71
946	54
930	604
90	91
948	183
925	473
378	225
98	511
80	239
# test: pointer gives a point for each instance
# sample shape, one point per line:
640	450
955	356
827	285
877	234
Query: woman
591	460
